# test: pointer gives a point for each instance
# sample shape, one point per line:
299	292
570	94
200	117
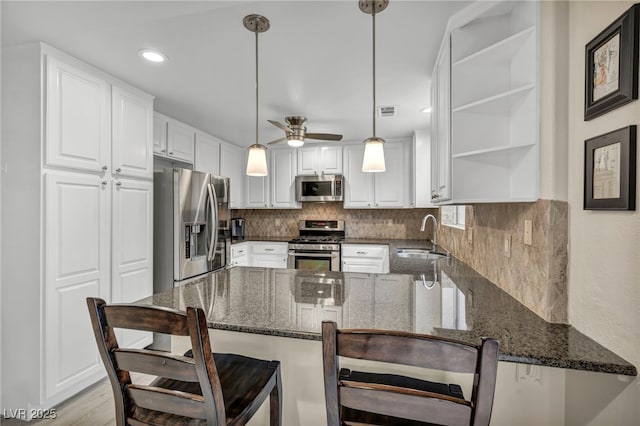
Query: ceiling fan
296	132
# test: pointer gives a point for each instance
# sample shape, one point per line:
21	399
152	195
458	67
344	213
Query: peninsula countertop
452	301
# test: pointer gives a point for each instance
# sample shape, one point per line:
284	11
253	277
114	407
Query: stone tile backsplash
534	275
359	223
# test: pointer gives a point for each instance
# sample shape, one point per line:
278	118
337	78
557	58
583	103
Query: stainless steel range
317	248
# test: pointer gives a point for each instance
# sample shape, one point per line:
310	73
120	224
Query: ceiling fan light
373	160
295	141
257	160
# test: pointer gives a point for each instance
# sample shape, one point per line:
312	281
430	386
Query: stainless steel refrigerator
191	225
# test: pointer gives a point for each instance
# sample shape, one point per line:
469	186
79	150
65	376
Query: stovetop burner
317	239
320	231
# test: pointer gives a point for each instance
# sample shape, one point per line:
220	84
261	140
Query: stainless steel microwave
319	188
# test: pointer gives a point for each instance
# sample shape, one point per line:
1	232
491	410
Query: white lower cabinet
268	254
77	259
132	249
369	258
240	254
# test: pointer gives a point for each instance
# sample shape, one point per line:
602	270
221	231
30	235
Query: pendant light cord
374	70
256	87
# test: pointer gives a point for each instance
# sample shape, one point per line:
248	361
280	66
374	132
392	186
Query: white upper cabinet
173	139
441	126
319	160
388	189
233	163
78	122
283	175
207	157
277	190
132	118
422	168
494	103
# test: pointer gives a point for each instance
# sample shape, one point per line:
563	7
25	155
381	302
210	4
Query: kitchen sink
419	253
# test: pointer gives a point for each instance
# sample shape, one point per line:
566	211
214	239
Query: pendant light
257	158
373	160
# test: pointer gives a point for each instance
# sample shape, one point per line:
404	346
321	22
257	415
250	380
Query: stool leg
275	401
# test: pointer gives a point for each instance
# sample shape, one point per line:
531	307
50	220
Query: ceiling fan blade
281	126
277	141
323	136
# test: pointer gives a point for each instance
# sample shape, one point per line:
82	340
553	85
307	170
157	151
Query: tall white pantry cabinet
77	218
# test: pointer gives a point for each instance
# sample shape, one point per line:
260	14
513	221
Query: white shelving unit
494	103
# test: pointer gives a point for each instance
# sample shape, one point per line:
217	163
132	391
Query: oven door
314	260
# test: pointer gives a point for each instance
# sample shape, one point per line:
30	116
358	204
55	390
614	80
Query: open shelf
496	104
499	52
495	149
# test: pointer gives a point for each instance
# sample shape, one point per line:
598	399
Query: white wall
604	246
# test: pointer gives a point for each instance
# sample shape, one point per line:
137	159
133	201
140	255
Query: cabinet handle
240	251
118	183
104	167
361	252
268	249
118	170
104	183
170	152
163	150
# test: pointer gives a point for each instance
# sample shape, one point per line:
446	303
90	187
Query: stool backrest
414	350
120	362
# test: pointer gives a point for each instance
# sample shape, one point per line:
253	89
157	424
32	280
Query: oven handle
307	254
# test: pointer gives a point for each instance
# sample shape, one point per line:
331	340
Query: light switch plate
507	245
470	235
528	232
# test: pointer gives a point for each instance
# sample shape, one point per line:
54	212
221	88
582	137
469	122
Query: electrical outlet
470	235
389	222
528	232
278	223
507	246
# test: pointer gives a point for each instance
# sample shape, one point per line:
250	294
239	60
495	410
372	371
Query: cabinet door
358	191
233	165
77	259
358	306
132	249
180	141
207	158
393	302
307	160
391	185
283	175
78	118
159	134
422	168
257	191
330	160
132	146
441	146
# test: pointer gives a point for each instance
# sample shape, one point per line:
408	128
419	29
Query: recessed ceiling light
152	55
426	110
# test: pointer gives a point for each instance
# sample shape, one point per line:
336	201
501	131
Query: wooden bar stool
354	397
200	388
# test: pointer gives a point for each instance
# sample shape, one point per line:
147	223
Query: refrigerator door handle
213	205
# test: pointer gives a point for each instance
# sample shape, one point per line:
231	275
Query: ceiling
315	60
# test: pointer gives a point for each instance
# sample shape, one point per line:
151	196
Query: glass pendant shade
257	160
373	160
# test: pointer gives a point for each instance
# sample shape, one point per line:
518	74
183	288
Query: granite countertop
453	301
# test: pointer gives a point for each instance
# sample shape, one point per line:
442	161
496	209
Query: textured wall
359	223
535	275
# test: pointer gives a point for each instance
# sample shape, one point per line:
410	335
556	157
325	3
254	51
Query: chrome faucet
435	227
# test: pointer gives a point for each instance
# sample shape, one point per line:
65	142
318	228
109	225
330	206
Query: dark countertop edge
626	370
278	239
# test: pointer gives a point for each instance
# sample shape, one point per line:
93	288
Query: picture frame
610	170
611	66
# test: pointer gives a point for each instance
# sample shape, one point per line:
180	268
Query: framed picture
612	66
610	171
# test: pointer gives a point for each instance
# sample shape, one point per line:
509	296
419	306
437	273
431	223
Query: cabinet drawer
365	250
269	248
238	250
